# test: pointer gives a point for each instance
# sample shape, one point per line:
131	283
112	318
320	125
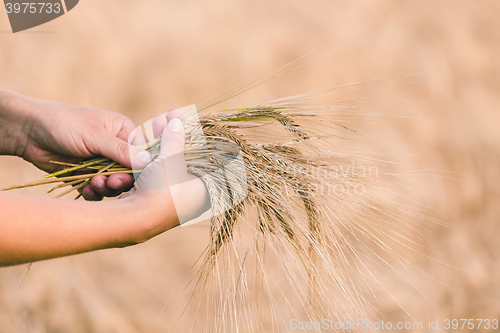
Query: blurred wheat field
143	58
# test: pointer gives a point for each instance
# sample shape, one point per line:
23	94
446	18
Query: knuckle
122	149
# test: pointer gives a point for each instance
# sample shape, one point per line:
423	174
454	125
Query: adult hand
43	130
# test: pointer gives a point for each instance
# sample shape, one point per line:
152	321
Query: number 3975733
33	8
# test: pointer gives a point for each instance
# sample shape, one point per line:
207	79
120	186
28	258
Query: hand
167	177
47	131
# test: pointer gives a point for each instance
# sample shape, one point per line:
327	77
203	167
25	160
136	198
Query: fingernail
175	125
118	184
90	194
99	185
144	157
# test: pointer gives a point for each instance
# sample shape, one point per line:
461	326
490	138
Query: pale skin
36	228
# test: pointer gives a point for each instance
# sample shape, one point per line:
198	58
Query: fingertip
173	139
120	182
175	125
144	158
159	122
98	182
90	195
88	192
174	113
137	137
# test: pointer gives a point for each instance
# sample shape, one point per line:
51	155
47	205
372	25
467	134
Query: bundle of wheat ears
314	218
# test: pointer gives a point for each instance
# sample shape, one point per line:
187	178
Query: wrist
149	212
16	122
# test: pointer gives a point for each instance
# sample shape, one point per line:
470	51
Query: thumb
122	152
172	151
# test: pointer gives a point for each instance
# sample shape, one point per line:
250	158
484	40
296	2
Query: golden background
141	58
